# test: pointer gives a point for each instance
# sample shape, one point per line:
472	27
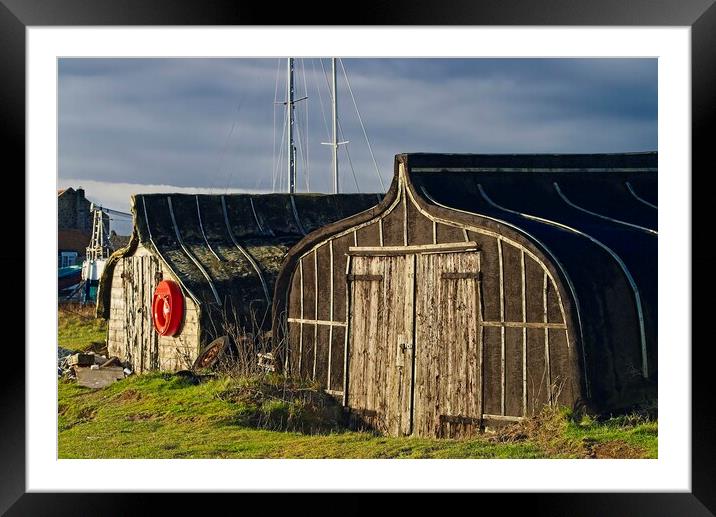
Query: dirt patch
141	417
129	395
86	414
613	449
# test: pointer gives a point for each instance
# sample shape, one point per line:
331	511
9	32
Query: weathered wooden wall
131	335
523	344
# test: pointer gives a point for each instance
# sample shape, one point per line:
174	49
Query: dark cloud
209	123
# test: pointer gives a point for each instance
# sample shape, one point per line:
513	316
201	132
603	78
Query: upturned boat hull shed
482	288
220	255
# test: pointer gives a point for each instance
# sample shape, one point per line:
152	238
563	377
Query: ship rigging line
276	176
115	212
360	119
230	175
275	100
320	98
348	154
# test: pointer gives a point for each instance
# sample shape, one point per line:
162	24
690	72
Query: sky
216	125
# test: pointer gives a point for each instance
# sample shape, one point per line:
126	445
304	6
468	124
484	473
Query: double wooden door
414	343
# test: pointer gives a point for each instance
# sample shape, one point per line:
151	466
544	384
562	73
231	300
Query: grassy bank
77	328
169	416
166	416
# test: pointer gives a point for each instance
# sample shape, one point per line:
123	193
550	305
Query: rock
98	377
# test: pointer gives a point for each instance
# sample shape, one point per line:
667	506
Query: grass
559	433
78	328
161	415
165	416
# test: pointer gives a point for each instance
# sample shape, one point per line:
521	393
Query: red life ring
167	308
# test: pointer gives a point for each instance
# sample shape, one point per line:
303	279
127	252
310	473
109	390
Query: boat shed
219	255
481	289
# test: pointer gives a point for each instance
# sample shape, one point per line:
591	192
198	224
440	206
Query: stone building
74	226
73	210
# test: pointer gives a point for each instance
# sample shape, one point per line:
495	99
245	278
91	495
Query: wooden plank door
142	341
148	270
448	384
132	303
380	353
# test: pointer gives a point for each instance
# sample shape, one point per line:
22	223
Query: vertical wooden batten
349	287
480	341
547	366
315	312
330	328
524	332
502	326
300	338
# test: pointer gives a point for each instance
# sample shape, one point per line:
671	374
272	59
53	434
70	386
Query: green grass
622	433
78	328
164	416
161	415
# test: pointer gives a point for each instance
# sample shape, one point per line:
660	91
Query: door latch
403	346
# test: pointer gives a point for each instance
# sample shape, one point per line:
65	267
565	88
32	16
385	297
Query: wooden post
349	288
315	316
546	338
300	337
330	329
524	333
502	326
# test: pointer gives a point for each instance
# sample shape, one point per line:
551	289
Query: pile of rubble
90	369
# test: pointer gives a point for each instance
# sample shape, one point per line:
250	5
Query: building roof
226	250
73	240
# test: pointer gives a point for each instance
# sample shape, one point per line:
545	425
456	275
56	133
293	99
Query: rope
226	144
353	172
276	173
325	121
275	100
236	117
115	212
360	119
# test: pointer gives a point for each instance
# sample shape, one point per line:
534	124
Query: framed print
45	45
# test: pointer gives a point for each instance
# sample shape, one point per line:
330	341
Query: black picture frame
700	15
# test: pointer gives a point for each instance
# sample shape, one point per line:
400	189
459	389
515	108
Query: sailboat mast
289	130
336	183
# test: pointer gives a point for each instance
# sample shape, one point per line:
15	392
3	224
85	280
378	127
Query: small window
68	258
